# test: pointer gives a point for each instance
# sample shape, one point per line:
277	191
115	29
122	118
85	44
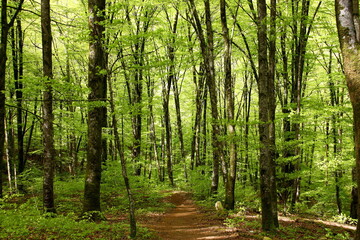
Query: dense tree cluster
241	100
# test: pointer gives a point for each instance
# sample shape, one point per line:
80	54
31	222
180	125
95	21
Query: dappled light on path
185	221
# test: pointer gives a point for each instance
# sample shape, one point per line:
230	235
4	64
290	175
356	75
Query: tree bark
17	53
230	106
354	197
48	117
168	143
5	26
267	117
97	84
347	20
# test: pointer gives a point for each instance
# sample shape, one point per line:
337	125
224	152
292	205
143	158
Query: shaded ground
185	221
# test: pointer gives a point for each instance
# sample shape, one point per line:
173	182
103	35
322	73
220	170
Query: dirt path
186	222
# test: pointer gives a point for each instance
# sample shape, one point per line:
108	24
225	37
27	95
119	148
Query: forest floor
189	221
186	221
161	213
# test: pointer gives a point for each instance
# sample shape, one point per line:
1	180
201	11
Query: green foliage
199	182
336	236
234	221
344	219
22	216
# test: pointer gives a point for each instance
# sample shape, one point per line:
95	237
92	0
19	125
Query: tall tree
141	17
18	67
229	98
48	125
348	26
207	52
176	90
266	60
5	27
293	74
97	84
166	87
120	148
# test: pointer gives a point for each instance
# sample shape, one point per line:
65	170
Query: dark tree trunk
48	117
3	58
267	117
354	197
5	26
166	93
200	90
247	106
17	53
347	19
97	86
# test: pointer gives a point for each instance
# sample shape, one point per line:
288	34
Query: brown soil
186	222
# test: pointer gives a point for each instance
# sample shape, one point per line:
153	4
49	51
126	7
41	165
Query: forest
113	112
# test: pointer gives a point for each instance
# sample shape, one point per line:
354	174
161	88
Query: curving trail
186	222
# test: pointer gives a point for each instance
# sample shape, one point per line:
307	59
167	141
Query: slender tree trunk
179	125
5	26
7	157
267	117
347	19
336	133
97	85
3	58
166	93
150	90
203	155
135	90
17	52
199	102
120	149
171	54
207	51
47	126
354	197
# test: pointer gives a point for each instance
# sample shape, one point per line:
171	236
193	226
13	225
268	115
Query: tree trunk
266	118
48	117
97	85
166	93
150	91
120	149
229	101
179	125
5	26
354	198
200	91
17	53
7	157
207	52
347	19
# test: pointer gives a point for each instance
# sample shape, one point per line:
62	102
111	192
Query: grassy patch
22	215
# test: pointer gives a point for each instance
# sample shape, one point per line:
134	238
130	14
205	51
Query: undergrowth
22	215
